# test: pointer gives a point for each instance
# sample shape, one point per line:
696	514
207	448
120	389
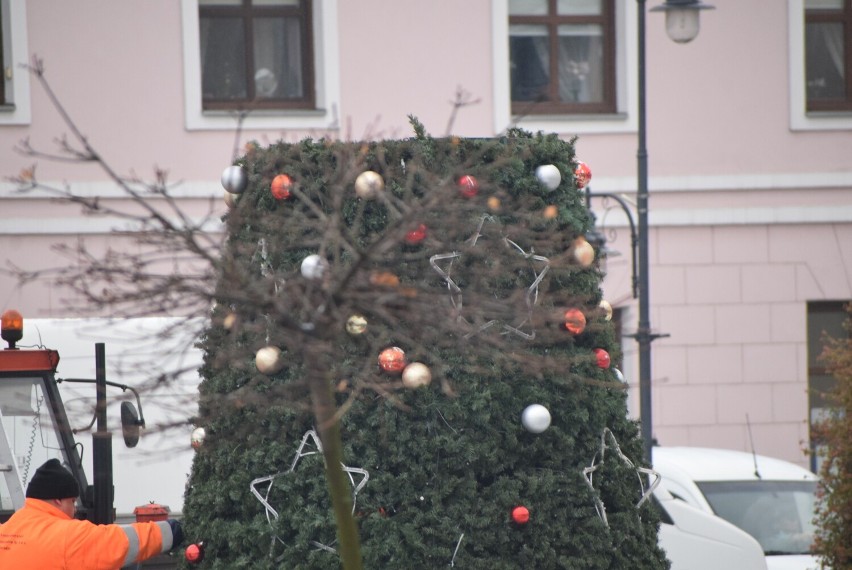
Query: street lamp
681	26
682	18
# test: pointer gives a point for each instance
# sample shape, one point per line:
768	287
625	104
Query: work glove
177	532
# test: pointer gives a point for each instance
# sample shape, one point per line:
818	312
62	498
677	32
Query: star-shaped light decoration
310	438
588	473
442	263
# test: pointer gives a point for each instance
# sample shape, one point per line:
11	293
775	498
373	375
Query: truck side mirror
130	424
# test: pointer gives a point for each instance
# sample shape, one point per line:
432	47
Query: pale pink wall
733	299
720	104
732	295
410	58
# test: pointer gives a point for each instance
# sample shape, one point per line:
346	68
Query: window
276	59
14	80
828	55
256	54
562	56
824	318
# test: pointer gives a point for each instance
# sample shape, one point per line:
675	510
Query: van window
779	514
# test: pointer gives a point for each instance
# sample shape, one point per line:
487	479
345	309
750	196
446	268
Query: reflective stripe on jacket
41	536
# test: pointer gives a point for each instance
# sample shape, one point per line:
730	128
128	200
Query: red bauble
194	553
602	358
392	360
280	187
582	174
416	236
468	186
575	321
521	515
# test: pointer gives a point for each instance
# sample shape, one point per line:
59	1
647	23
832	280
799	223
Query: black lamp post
682	26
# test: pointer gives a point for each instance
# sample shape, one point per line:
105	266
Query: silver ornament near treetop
234	179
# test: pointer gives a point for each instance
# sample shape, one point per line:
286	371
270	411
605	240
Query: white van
770	499
696	540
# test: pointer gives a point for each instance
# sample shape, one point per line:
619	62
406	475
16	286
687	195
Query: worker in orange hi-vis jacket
44	534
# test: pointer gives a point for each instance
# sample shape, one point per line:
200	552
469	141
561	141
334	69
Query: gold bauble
584	253
356	324
606	308
369	185
268	360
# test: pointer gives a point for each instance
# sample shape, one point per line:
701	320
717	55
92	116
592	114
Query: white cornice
626	184
725	183
85	225
613	218
201	190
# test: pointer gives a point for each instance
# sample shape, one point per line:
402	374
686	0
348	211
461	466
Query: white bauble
197	437
549	175
416	375
618	374
536	418
234	179
268	360
313	267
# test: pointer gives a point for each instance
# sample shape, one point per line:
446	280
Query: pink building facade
751	193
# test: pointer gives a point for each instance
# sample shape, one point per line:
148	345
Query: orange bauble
280	187
575	321
392	360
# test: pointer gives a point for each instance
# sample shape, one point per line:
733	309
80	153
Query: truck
34	427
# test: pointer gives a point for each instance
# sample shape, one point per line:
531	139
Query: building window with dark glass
256	54
828	55
562	56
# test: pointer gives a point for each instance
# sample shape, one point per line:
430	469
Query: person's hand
177	532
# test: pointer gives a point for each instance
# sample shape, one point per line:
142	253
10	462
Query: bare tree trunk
338	486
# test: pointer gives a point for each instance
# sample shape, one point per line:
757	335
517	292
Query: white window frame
17	111
800	118
624	120
327	77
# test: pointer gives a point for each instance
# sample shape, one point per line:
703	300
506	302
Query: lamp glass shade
682	24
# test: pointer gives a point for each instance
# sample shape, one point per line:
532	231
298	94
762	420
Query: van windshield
779	514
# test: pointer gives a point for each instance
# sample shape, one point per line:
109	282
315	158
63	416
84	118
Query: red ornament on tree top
602	358
468	186
582	174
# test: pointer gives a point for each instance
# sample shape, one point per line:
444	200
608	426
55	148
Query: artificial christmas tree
430	336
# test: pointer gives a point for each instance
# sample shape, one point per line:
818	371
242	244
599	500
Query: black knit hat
53	481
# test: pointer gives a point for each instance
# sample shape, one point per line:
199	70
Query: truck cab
33	424
34	427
